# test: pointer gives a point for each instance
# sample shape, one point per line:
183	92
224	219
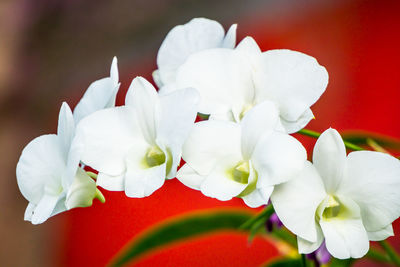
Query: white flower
346	200
48	172
232	81
135	147
99	95
182	41
49	176
226	159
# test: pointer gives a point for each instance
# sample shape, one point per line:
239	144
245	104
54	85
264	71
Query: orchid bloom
232	81
346	200
136	146
182	41
49	176
48	172
226	159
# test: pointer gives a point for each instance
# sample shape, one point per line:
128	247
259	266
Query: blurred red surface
358	42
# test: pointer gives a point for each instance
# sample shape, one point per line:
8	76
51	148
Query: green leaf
361	138
285	262
181	228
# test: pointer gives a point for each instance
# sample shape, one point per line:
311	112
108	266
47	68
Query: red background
357	42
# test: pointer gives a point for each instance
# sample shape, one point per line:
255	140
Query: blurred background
50	51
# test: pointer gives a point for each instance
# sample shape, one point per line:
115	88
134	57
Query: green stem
377	256
303	260
267	212
315	134
395	258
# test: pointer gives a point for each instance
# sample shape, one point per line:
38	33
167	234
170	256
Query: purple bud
320	256
273	221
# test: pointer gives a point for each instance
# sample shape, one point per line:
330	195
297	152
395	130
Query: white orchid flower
182	41
346	200
232	81
49	176
226	159
135	147
99	95
48	172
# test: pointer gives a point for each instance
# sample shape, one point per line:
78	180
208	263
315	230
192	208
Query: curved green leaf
181	228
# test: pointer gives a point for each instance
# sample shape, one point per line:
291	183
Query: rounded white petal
142	181
111	183
44	208
189	177
230	37
100	94
300	123
178	112
307	247
184	40
329	158
66	127
157	79
257	123
41	164
259	197
107	136
209	142
218	184
296	202
278	157
144	98
372	180
381	234
345	236
81	192
223	79
292	79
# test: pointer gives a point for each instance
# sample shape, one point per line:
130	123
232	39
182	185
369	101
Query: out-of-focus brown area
50	51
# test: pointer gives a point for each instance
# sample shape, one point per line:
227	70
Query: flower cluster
254	100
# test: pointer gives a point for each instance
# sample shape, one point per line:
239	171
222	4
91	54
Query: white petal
307	247
41	163
144	98
300	123
111	183
44	208
218	184
381	234
346	237
178	112
82	191
157	79
230	37
100	94
296	202
74	157
209	142
329	159
66	127
189	177
141	181
258	122
107	136
29	211
292	79
259	197
114	71
372	180
278	157
222	77
251	53
184	40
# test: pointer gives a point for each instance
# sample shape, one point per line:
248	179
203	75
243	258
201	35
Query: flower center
154	156
246	108
241	172
332	208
